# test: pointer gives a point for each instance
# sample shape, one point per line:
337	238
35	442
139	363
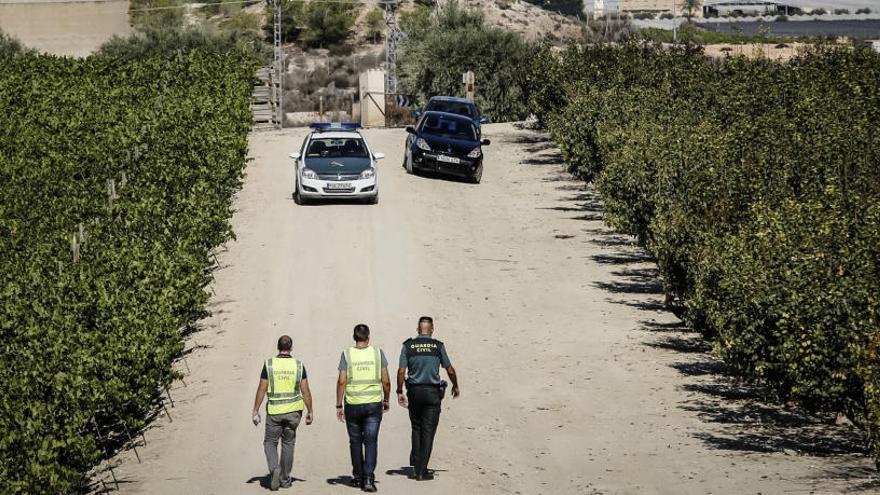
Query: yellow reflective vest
363	383
284	394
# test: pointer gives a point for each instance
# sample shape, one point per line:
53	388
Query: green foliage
755	185
440	49
375	25
90	344
11	47
689	33
163	17
327	23
154	42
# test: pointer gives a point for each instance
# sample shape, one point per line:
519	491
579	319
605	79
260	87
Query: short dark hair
361	332
426	319
285	343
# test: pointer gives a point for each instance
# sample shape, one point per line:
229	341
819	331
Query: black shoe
369	485
426	476
356	482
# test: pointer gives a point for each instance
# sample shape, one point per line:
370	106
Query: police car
336	162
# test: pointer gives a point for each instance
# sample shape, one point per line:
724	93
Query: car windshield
337	148
449	127
459	108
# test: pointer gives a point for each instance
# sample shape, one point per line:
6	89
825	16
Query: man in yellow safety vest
364	384
284	383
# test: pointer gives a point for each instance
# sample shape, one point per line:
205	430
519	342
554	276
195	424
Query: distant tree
326	23
10	47
690	6
818	12
167	16
609	29
291	14
863	11
375	24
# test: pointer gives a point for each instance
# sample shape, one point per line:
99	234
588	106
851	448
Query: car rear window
337	148
465	109
449	127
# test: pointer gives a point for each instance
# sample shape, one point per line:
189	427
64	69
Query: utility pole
393	38
674	27
278	65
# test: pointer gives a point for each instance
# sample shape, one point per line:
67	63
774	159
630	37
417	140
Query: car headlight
475	153
308	173
368	173
422	144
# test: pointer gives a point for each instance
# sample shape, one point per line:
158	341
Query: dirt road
64	27
574	379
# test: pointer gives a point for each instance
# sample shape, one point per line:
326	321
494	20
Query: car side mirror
378	156
484	120
295	155
485	142
417	114
410	129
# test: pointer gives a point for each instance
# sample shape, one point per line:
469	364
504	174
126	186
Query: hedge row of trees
756	185
89	344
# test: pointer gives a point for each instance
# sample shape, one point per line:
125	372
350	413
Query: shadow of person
343	480
266	479
407	471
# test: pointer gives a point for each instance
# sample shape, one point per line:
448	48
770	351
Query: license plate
339	185
448	159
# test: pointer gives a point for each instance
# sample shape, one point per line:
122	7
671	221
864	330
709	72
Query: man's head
426	325
285	344
361	333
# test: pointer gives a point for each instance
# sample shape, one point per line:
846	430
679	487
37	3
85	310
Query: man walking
364	384
420	362
284	383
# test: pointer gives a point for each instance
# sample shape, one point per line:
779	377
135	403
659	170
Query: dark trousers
424	415
362	421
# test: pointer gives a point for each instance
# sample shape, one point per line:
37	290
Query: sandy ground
574	379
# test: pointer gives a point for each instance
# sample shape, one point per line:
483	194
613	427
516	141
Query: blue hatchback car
447	143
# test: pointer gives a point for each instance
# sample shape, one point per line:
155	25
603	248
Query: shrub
375	25
863	11
643	15
841	11
327	23
11	47
164	17
781	18
667	15
818	12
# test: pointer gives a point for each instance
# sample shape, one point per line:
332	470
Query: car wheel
478	175
297	197
373	200
408	165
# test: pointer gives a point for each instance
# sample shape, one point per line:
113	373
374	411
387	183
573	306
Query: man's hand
401	399
340	415
309	418
455	392
385	406
255	417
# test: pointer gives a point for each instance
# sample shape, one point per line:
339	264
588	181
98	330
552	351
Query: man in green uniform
284	382
364	384
419	367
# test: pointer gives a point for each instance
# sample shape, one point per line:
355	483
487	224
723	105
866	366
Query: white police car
336	162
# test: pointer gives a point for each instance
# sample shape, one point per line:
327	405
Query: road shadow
406	471
266	479
343	480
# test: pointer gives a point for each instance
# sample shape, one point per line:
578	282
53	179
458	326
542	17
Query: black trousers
424	415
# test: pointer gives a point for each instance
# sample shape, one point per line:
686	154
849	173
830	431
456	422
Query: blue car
459	106
446	143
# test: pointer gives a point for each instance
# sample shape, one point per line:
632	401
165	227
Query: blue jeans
362	421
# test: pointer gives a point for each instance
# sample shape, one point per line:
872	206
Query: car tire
408	165
297	197
478	175
373	200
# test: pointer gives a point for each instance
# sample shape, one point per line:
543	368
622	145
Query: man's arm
307	398
261	392
386	388
340	394
453	377
401	377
